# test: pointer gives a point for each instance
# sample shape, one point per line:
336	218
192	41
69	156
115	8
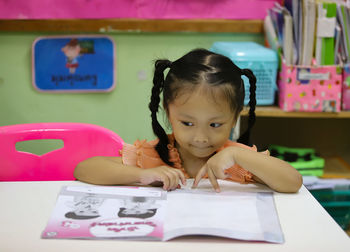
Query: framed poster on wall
73	64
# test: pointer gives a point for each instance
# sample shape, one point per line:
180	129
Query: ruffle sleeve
144	155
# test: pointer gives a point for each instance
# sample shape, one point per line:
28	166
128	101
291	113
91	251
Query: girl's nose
201	137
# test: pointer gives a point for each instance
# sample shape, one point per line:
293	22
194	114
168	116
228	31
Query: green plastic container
313	166
336	203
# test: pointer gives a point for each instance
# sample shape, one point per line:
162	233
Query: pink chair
80	140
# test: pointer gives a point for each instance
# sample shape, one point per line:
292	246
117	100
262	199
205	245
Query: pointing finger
199	175
213	180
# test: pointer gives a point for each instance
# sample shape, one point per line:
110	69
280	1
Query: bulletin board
139	9
73	64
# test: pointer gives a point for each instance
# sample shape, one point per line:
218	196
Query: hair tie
161	65
245	71
169	63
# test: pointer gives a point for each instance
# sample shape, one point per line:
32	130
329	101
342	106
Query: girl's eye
215	125
187	123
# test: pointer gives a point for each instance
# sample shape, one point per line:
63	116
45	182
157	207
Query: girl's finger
200	175
174	181
213	180
181	176
173	178
164	178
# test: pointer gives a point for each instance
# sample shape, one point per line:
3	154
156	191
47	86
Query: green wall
124	110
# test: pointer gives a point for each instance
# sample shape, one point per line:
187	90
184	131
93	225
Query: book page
101	212
231	213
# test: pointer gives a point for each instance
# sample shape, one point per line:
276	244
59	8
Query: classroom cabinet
327	133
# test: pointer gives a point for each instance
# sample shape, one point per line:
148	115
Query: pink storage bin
313	89
346	88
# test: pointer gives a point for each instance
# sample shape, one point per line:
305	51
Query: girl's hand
215	167
170	177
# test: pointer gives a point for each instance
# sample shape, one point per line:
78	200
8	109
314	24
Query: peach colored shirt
144	155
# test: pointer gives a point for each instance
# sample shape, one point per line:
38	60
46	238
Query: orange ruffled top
144	155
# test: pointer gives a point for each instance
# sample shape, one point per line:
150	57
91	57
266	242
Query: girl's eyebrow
185	115
210	119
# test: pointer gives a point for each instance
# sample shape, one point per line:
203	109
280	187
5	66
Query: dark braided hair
245	138
195	68
158	85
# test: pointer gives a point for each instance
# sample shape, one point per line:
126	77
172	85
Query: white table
25	208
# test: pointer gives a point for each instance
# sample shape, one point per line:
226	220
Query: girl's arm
111	171
275	173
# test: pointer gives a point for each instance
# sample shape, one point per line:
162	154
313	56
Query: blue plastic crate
261	60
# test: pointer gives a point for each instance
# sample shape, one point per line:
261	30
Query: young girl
203	95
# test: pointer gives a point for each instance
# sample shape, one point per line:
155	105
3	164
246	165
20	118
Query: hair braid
245	138
158	84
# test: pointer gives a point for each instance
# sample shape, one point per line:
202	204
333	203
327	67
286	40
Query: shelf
140	25
274	111
336	167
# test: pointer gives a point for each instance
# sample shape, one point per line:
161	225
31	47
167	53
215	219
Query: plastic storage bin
304	160
261	60
346	87
310	88
336	203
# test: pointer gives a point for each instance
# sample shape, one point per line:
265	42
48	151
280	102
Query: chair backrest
81	141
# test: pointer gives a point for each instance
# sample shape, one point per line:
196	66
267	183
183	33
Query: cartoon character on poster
74	64
72	51
85	207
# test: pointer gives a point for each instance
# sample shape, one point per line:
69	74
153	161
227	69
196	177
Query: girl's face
201	122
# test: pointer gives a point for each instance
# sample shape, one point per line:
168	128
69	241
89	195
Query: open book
147	213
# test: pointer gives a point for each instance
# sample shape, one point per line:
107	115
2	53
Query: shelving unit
274	111
328	133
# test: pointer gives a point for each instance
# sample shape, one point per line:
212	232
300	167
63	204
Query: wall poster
73	64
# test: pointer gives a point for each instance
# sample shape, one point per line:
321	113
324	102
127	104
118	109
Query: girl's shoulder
144	155
139	147
150	146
